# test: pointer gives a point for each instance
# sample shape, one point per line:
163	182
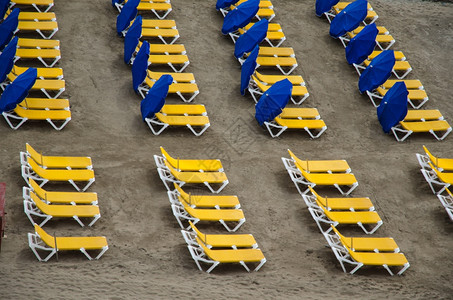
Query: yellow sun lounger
45	103
256	88
338	204
286	65
441	164
313	127
42	73
417	96
362	244
206	165
57	118
41	240
177	77
51	88
303	180
225	216
272	52
406	127
47	4
234	241
55	162
51	54
34	171
161	9
167	36
74	198
316	166
383	41
400	69
160	122
437	180
214	257
358	259
38	43
170	175
360	218
34	16
274	37
34	206
172	60
202	201
46	29
185	90
271	79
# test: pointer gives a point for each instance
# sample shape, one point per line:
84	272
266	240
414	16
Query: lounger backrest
195	229
318	197
36	167
33	153
167	157
172	170
180	191
45	237
37	189
260	85
38	202
432	158
341	237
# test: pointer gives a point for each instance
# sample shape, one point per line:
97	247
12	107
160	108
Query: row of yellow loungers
174	56
189	210
282	59
330	212
39	203
438	172
423	121
49	80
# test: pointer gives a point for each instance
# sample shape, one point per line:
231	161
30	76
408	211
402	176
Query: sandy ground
148	258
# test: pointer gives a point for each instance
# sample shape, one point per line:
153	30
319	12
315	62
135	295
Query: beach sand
148	258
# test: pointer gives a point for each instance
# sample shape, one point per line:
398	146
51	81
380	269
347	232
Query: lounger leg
154	121
224	184
58	127
359	265
378	224
263	261
271	125
96	217
90	182
432	179
317	135
34	241
8	115
441	137
406	265
245	266
353	186
203	129
235	228
163	16
397	130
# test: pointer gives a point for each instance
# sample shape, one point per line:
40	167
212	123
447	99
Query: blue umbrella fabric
155	99
240	16
131	39
377	72
248	68
140	66
4	4
8	27
254	36
349	18
126	15
16	92
224	3
393	107
273	101
323	6
361	46
7	59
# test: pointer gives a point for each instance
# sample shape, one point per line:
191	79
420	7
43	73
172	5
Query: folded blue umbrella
16	92
240	16
131	39
393	107
126	15
155	99
349	18
273	101
248	68
254	36
323	6
362	45
224	3
7	59
377	72
8	27
4	4
140	65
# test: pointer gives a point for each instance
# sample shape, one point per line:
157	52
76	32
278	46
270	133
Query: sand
148	258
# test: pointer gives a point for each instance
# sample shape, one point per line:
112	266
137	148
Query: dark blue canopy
224	3
377	72
7	59
255	35
240	16
116	1
8	27
323	6
126	15
155	99
273	101
248	68
349	18
393	107
361	46
16	92
131	39
4	4
140	65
